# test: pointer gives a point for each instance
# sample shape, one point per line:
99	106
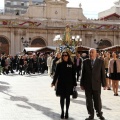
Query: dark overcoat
65	77
93	78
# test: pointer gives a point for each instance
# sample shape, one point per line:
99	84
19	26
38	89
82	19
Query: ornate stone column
88	39
12	42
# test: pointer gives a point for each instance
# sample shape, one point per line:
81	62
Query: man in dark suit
42	63
93	75
78	64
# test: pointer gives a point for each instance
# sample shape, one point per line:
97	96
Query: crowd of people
29	64
23	64
92	70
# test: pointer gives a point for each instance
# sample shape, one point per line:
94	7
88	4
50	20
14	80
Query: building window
22	4
8	9
8	2
37	3
15	3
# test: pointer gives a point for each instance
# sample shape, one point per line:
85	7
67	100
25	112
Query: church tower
56	9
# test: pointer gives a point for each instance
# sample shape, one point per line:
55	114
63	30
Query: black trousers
93	100
78	69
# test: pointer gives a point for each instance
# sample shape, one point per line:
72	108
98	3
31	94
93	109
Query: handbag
75	93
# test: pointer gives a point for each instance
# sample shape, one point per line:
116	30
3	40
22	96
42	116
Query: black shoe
62	115
90	118
109	88
116	94
66	116
102	118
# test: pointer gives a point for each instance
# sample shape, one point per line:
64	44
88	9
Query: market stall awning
83	48
46	49
115	48
39	49
31	49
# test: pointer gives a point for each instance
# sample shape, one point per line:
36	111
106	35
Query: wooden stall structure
46	49
30	50
82	49
115	48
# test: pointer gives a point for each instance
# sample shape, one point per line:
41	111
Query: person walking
55	61
114	72
106	62
78	65
42	63
93	75
66	81
49	63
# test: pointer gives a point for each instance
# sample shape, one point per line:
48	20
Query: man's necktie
92	62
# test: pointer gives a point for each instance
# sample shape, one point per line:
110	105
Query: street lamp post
0	47
98	43
58	41
77	40
26	43
68	42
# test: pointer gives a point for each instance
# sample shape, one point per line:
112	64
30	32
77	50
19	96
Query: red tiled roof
114	14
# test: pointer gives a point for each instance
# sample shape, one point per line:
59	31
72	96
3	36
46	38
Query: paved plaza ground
30	97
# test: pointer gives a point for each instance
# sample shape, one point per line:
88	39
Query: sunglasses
65	55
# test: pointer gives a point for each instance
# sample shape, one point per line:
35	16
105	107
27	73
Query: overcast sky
91	8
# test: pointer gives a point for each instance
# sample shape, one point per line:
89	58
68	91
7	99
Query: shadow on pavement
81	96
79	102
84	103
23	106
46	111
1	82
4	88
106	108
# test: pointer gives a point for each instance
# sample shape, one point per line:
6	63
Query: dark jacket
92	78
54	65
3	62
80	62
65	74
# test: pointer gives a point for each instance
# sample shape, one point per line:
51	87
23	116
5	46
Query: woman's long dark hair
69	58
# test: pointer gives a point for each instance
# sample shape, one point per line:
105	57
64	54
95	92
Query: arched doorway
104	44
4	46
38	42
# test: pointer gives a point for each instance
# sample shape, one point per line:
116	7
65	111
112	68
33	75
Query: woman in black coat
66	81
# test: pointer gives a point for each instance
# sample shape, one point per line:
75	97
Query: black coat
93	78
80	62
65	75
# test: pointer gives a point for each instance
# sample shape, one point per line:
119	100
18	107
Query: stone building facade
41	23
18	7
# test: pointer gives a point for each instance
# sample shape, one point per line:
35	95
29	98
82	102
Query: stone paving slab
31	98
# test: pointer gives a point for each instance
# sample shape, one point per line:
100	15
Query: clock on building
56	12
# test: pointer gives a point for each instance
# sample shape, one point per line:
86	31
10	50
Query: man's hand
82	88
